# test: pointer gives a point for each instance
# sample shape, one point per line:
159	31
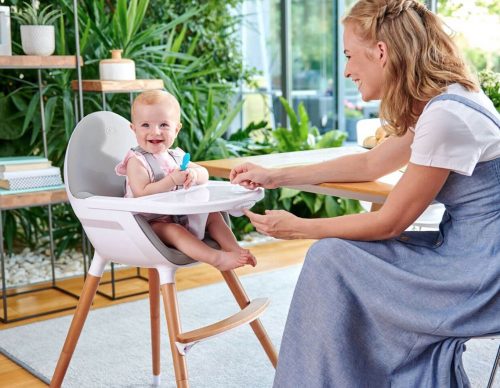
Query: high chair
118	232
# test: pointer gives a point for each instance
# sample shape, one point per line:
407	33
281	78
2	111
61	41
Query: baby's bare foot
250	257
226	261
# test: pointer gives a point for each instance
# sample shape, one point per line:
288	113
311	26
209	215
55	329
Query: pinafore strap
467	102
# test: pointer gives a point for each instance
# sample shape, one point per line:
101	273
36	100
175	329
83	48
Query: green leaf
18	101
176	46
318	203
294	123
131	15
302	130
332	138
120	24
62	37
35	100
332	207
285	142
68	114
351	206
217	129
49	111
288	193
85	37
310	200
10	123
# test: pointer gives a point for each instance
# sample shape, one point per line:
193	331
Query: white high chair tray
211	197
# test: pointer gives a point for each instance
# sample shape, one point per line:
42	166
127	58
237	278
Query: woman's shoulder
457	107
457	98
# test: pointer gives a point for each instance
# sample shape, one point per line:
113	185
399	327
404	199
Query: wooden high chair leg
169	293
241	297
82	309
154	309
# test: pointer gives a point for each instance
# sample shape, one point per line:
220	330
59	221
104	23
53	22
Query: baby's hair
152	97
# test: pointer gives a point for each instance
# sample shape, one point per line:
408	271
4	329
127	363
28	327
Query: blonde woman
376	306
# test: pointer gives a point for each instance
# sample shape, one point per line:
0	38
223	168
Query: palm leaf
294	123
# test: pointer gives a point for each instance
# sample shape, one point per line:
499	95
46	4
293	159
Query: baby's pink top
167	161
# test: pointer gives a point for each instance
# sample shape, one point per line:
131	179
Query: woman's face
365	63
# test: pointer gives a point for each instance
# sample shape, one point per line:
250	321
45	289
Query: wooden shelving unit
35	198
118	86
38	62
106	87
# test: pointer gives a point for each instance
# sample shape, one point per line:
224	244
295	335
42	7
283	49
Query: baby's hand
179	177
191	178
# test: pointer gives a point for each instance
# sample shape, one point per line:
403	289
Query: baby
153	167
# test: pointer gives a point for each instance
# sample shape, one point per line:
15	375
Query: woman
376	306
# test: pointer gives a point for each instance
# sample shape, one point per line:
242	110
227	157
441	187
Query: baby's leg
177	236
222	233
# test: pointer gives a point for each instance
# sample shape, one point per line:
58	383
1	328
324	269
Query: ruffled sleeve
121	168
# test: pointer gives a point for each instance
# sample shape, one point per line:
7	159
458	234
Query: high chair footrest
251	312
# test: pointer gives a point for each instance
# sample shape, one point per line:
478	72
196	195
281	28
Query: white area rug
114	348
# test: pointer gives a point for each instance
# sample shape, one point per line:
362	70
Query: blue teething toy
185	161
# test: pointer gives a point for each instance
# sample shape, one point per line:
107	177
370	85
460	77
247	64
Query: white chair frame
114	229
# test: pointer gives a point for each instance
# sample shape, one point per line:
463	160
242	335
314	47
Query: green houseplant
303	136
37	30
490	83
163	45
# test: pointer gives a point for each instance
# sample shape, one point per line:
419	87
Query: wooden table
374	192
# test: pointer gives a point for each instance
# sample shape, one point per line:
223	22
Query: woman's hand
278	223
250	176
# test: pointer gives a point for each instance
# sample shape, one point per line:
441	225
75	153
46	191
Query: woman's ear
381	51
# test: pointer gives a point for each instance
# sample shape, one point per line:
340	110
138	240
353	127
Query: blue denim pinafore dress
396	313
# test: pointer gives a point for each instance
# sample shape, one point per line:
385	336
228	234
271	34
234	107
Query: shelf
38	62
36	198
118	86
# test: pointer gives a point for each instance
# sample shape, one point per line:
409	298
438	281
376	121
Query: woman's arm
409	198
387	157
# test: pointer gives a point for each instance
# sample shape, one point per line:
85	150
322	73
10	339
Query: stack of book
28	173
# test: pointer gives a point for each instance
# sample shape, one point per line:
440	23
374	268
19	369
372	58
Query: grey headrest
98	143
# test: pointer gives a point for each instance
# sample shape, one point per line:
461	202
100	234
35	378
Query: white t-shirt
451	135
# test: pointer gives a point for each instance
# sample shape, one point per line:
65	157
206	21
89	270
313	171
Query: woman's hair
152	97
422	58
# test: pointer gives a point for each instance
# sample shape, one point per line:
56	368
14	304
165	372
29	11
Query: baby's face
156	126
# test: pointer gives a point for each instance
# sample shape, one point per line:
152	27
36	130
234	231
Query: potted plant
37	31
490	83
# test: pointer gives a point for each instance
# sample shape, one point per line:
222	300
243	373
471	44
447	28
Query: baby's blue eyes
162	125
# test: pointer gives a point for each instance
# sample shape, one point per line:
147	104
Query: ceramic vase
117	68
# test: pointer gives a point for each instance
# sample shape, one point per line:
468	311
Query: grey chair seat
173	255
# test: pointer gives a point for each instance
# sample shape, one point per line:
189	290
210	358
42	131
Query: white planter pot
38	40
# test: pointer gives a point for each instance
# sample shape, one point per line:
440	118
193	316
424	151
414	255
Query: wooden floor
269	256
